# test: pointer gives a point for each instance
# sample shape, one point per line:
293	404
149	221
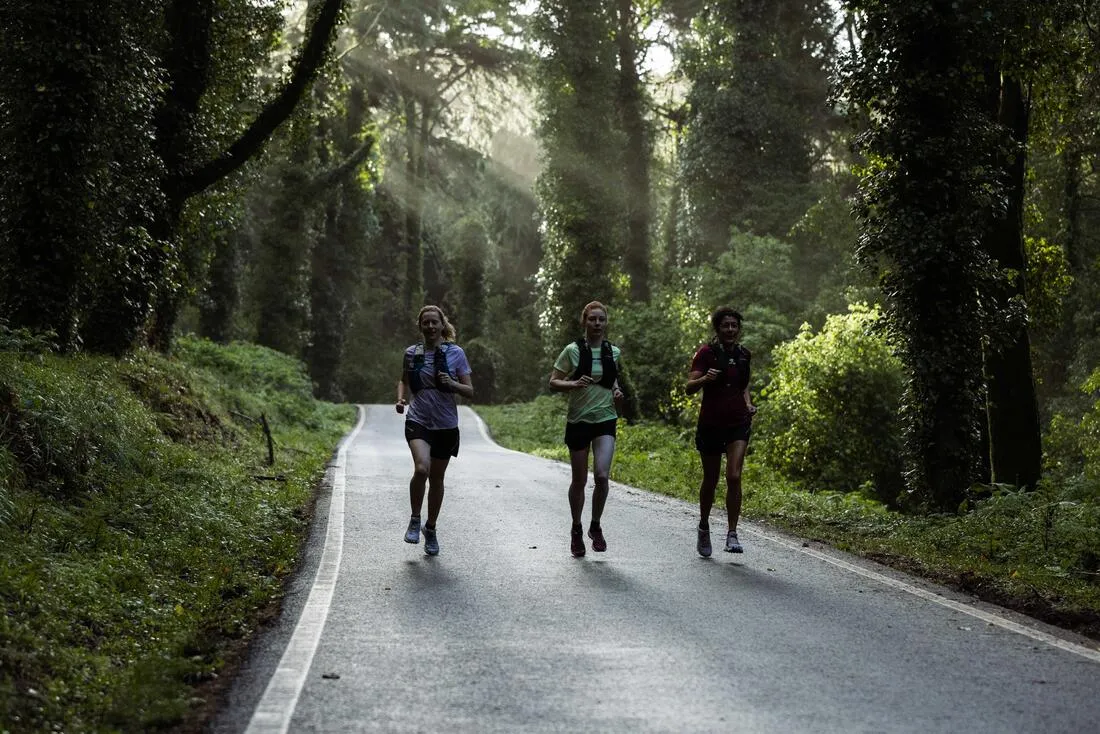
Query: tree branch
324	180
309	63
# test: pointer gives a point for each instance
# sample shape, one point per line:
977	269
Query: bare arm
697	379
402	390
560	383
463	386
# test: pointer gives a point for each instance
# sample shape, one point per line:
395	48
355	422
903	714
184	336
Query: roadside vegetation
145	535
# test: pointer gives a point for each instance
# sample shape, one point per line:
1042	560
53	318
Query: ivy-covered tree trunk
76	105
579	188
924	211
636	159
1014	432
337	261
328	311
219	301
412	245
283	260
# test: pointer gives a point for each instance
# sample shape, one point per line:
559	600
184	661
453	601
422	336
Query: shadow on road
426	573
744	576
600	574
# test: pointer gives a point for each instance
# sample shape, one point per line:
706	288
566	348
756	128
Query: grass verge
145	537
1033	552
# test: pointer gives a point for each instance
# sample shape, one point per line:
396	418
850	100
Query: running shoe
598	543
431	543
733	545
576	543
412	535
703	544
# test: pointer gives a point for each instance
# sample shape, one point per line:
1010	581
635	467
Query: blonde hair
588	307
448	329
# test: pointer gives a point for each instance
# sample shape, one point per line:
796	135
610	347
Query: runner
721	370
588	370
433	371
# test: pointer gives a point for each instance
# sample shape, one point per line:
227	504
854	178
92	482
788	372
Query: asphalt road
505	632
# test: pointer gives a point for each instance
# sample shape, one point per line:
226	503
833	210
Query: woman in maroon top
721	370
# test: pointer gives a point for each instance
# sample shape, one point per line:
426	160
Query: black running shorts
711	441
579	435
443	441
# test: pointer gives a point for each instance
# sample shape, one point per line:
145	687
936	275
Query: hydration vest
737	357
607	360
415	362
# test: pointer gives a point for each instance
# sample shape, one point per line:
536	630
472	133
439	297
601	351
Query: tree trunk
328	312
1055	374
219	302
414	255
635	159
1015	448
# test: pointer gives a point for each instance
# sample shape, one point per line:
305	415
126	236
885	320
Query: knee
420	472
601	478
733	475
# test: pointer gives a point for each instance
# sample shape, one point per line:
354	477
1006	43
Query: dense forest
901	198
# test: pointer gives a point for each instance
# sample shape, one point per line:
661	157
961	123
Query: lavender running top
431	408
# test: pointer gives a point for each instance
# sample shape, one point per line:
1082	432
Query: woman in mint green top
588	371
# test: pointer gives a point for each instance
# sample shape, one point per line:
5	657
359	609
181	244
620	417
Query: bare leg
603	448
711	466
578	463
421	454
735	460
436	471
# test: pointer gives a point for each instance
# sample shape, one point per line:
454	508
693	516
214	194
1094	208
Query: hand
752	409
583	381
617	394
400	407
445	381
712	375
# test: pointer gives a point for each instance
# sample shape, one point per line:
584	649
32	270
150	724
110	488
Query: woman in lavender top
433	372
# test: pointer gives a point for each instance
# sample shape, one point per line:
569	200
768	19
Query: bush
1072	445
830	415
658	339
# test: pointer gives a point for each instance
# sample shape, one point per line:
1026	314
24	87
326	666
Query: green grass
1035	552
140	548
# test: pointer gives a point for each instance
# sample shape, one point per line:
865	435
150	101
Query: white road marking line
277	705
482	427
1086	652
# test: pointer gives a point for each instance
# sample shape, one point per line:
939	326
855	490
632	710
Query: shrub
658	339
830	415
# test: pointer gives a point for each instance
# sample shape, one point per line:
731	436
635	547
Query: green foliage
136	98
658	339
829	420
1072	443
139	544
536	427
1049	283
79	76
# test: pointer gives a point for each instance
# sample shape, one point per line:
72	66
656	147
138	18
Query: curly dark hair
722	312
